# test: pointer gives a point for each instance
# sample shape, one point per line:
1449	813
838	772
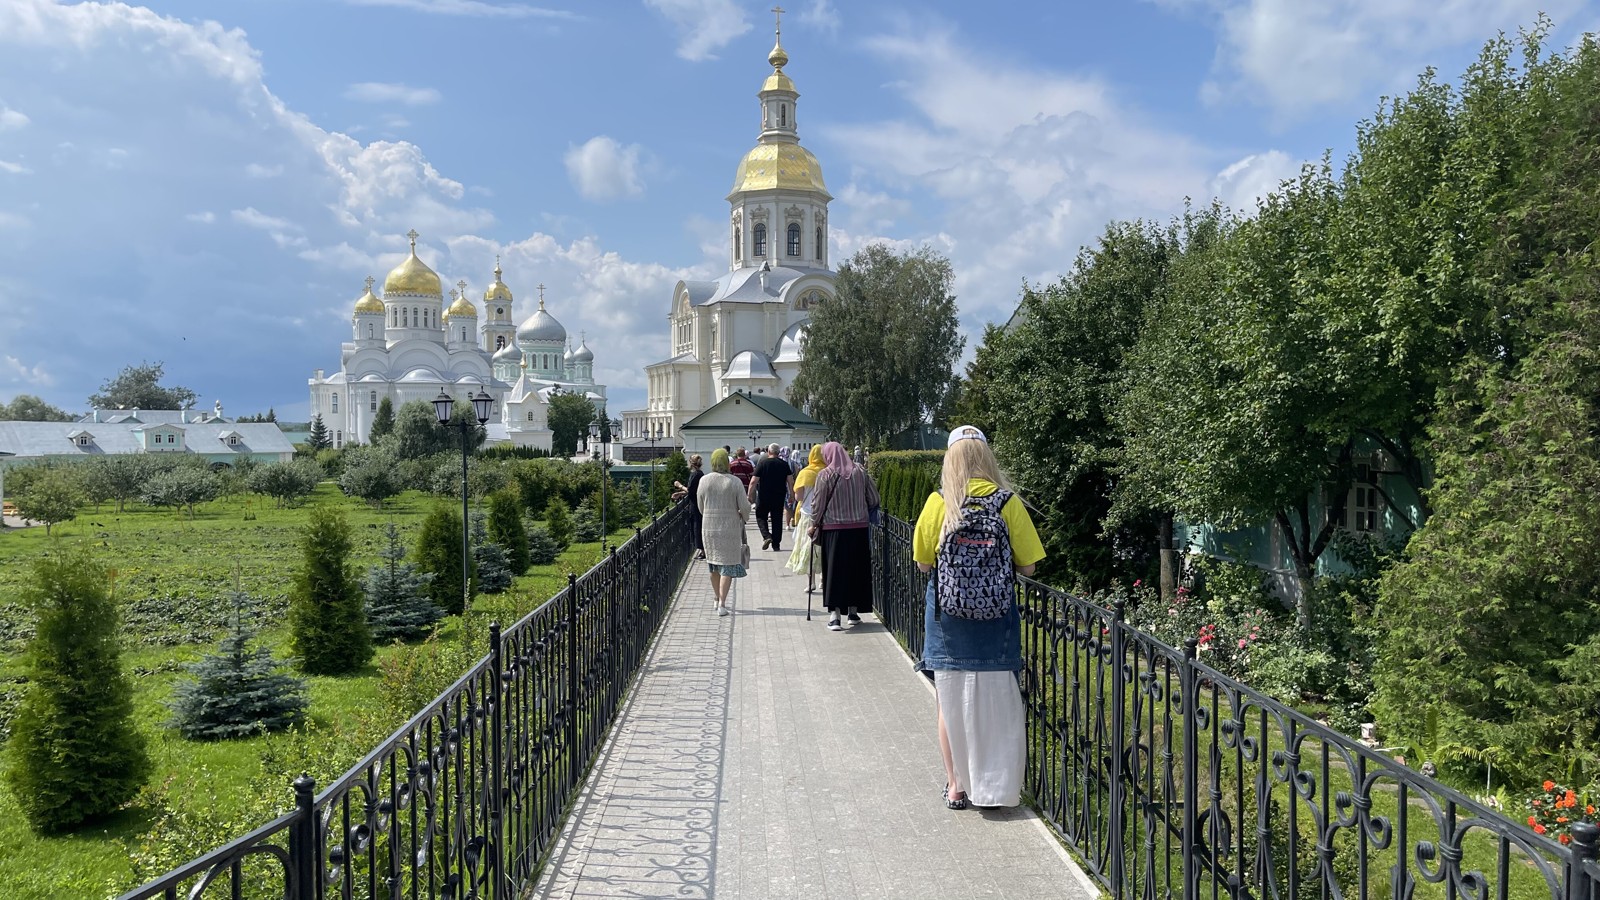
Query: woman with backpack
843	502
975	535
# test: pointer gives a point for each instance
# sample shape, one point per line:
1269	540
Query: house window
783	115
530	415
405	318
369	331
338	439
335	407
759	234
233	441
1362	512
794	239
738	236
372	402
499	342
83	441
819	242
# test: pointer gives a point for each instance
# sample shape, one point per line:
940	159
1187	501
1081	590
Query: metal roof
55	439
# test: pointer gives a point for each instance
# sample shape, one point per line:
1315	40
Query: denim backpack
976	577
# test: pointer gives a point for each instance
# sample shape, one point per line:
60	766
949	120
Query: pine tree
586	520
542	548
438	554
238	691
505	528
382	420
398	606
493	569
327	624
559	520
319	439
75	752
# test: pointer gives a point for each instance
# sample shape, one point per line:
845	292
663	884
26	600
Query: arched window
759	235
499	342
372	403
369	331
463	334
794	239
530	415
335	407
338	439
738	238
819	242
405	318
783	115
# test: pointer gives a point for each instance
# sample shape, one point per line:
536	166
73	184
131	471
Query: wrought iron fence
464	800
1171	779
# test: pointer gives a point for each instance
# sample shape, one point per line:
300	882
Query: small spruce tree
490	559
239	690
75	752
438	553
398	605
327	622
586	521
319	439
382	421
505	528
559	519
542	548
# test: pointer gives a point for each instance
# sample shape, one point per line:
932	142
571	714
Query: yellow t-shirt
1025	546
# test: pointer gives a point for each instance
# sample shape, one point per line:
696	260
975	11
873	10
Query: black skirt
847	570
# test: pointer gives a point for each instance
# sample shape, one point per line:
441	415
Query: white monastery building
743	332
408	345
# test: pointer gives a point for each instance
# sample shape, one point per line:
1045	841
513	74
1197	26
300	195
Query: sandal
957	803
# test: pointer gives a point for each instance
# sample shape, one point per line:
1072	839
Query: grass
171	576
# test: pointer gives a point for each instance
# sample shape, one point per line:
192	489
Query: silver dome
541	326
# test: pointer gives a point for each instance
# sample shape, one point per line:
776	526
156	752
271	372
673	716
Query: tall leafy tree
139	387
327	621
881	356
239	690
438	555
398	605
76	753
29	408
570	415
382	420
51	497
122	476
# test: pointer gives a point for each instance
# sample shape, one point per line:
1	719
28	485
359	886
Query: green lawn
171	576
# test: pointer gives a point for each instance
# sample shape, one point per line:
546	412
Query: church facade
408	345
745	331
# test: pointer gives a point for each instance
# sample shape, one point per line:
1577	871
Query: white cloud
705	26
472	8
1295	57
10	119
390	92
256	170
258	219
821	15
14	168
602	169
18	372
14	221
1245	183
204	218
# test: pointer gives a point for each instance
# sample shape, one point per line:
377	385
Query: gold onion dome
777	57
461	306
369	302
778	167
497	291
413	276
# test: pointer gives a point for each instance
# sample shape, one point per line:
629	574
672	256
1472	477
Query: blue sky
207	184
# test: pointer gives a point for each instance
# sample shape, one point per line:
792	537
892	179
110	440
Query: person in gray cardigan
724	509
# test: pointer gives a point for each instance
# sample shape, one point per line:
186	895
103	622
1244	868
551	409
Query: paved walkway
763	756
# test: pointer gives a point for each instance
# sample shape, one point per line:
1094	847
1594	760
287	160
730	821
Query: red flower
1549	785
1571	798
1531	821
1537	828
1565	839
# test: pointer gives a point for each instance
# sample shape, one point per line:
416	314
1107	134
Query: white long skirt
799	561
983	718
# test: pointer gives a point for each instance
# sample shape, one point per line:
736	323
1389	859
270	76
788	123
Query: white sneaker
722	611
833	624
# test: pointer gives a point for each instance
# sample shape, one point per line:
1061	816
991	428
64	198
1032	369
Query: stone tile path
764	756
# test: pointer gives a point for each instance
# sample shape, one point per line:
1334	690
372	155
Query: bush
289	483
489	559
237	691
182	487
370	474
542	548
506	529
75	753
327	622
905	478
559	520
52	497
438	554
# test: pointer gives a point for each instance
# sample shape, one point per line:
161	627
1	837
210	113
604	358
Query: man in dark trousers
769	487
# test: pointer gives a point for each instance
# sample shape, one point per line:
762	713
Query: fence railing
464	800
1172	780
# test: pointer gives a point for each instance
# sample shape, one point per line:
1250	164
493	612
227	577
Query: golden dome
369	302
462	307
777	57
497	291
413	276
778	81
779	166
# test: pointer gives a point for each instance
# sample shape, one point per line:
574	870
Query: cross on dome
412	234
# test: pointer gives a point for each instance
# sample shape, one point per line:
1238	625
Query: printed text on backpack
976	578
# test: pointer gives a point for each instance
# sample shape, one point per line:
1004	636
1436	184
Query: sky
207	185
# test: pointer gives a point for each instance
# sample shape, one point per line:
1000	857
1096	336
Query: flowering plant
1553	810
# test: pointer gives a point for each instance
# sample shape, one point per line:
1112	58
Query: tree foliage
370	473
570	415
29	408
438	555
327	623
382	421
289	483
139	387
51	497
491	568
897	311
182	487
506	529
239	690
398	605
76	754
319	438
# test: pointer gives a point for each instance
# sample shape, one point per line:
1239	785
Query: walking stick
811	557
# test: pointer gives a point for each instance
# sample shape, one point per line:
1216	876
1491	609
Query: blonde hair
964	461
695	461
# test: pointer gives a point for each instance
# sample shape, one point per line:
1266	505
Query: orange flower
1549	785
1561	820
1589	809
1565	839
1571	798
1537	828
1530	821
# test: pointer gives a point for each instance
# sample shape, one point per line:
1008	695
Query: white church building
743	332
408	345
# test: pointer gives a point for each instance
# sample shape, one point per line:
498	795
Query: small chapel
744	332
409	345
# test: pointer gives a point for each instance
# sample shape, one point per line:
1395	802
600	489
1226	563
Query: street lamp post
594	438
755	436
482	405
654	435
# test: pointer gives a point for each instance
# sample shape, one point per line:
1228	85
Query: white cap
962	433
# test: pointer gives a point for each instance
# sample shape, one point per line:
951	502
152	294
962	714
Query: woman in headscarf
975	662
805	481
690	492
843	500
724	509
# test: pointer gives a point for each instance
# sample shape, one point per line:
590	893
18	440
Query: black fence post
497	694
572	679
882	605
1581	885
1117	822
303	842
1189	683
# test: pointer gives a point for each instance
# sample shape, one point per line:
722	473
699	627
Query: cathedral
408	345
744	331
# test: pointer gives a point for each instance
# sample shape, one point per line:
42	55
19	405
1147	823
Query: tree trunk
1169	559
